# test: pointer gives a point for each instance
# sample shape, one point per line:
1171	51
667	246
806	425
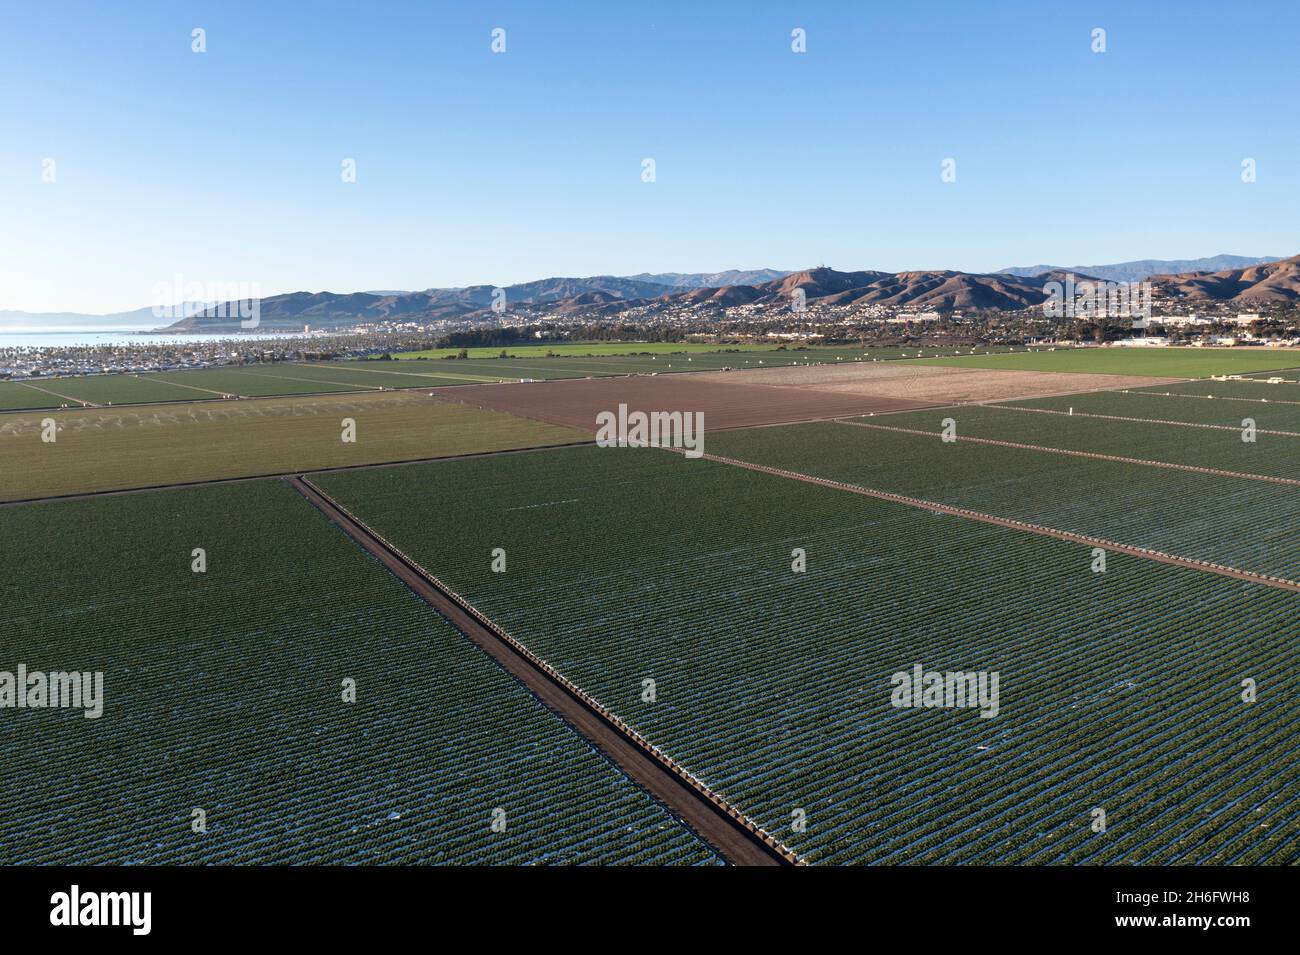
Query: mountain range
606	295
1141	269
1271	282
1245	280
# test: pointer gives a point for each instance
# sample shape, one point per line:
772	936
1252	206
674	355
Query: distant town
1207	324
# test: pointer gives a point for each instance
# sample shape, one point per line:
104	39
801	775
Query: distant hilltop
1141	269
605	296
1242	279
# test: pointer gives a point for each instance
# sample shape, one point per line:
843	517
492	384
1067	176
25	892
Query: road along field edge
1095	455
1223	570
736	837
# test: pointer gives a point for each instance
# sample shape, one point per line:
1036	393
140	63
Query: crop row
1154	362
1288	389
579	366
118	389
223	691
15	396
111	448
1277	455
1157	407
301	378
1118	689
1241	523
362	375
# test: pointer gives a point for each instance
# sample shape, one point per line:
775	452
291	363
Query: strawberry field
1277	455
1242	523
1120	691
1186	406
224	692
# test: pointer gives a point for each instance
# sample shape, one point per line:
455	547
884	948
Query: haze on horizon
475	167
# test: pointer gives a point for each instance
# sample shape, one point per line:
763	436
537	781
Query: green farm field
112	448
210	384
1275	455
222	690
638	349
118	389
1243	523
1255	389
236	381
1155	405
274	379
1183	362
1117	689
581	366
362	375
15	396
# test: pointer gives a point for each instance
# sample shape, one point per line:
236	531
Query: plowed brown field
725	404
931	385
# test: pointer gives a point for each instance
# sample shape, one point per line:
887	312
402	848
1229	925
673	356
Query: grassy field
1118	690
1157	406
1276	455
1255	388
234	381
1155	362
119	389
1242	523
19	397
591	349
223	691
362	375
106	449
338	377
438	369
580	366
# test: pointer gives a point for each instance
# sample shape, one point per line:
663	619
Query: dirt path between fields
1115	417
1095	455
45	391
1175	394
1281	583
177	384
731	834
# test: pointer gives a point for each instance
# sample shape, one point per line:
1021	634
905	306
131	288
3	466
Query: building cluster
1210	324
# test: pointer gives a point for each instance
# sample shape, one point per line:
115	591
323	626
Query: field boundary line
1223	570
1095	455
232	396
1174	394
204	482
406	374
45	391
206	391
177	384
1112	417
351	386
742	841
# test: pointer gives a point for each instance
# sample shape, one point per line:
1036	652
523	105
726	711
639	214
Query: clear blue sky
474	167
